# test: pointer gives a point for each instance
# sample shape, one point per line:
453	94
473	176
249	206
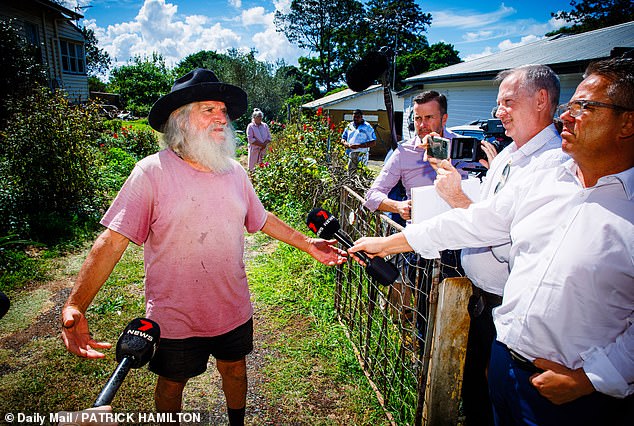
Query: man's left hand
326	252
560	384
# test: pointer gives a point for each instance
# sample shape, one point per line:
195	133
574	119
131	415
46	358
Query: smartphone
439	147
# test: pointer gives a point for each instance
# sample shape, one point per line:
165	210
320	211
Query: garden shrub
139	141
50	167
306	167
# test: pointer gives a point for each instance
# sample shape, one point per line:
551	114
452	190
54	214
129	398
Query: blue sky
177	28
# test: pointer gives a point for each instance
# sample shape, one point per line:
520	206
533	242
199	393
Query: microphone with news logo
4	304
327	226
135	348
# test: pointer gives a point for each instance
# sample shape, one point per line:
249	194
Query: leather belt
523	363
480	300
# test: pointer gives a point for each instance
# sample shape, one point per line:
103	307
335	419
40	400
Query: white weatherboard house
60	43
470	88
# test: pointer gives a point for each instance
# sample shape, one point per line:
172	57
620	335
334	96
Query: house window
73	60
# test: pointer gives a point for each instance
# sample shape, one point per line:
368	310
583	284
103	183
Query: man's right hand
76	335
404	209
448	184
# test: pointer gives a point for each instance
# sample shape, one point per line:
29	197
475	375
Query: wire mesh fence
390	326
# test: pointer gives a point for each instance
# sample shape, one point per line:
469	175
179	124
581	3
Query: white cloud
272	45
256	16
508	44
486	52
283	6
236	3
477	36
159	28
469	19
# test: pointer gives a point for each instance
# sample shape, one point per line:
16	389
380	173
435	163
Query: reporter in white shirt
526	103
568	304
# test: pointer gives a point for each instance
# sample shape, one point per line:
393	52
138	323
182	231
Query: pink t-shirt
191	225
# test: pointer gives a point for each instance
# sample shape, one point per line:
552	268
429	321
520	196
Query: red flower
114	135
320	111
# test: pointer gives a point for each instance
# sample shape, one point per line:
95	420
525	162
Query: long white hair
197	145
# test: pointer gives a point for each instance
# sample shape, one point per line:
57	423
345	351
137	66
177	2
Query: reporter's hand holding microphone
326	226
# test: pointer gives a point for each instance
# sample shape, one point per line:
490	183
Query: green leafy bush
138	141
115	169
306	167
49	164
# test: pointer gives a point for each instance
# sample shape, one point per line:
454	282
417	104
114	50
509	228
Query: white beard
217	156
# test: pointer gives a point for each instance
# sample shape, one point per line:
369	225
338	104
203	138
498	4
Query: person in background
564	348
358	138
188	205
258	137
527	100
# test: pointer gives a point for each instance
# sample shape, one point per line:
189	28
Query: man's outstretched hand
76	335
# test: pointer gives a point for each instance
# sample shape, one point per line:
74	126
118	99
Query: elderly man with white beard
188	205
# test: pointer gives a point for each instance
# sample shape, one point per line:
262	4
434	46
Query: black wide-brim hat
196	86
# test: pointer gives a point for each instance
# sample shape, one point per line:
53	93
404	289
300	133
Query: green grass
314	365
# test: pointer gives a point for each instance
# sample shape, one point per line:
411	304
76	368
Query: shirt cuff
374	200
604	376
416	237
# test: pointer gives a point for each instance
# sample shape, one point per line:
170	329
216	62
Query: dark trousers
475	388
517	402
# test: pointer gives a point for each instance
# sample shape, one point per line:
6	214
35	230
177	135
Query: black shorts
181	359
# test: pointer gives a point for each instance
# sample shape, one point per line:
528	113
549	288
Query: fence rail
392	327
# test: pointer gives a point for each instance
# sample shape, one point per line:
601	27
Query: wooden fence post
449	348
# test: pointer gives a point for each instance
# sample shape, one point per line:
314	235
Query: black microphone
364	72
4	304
135	348
327	226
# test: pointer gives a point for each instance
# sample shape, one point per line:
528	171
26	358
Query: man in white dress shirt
564	352
526	103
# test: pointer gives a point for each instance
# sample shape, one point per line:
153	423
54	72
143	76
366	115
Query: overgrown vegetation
306	167
49	165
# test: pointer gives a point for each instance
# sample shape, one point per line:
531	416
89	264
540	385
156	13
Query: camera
438	147
470	149
467	149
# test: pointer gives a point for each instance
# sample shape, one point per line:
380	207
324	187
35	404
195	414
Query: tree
97	60
438	55
265	89
399	24
21	72
141	82
588	15
302	82
203	59
329	29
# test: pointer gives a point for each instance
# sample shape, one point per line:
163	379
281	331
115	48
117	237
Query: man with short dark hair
564	352
358	138
188	205
407	164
